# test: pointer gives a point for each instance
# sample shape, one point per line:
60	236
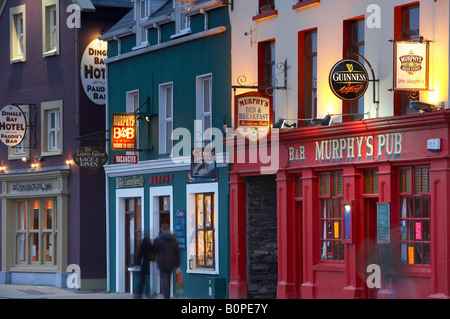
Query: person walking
145	255
167	257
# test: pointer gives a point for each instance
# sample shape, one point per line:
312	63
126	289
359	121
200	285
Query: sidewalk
50	292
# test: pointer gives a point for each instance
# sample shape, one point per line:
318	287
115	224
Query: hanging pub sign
93	71
123	132
410	65
253	115
203	162
348	80
13	125
90	157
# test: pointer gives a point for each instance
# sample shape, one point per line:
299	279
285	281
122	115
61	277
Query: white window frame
18	35
191	191
22	149
140	18
201	114
50	27
182	21
164	120
132	104
48	108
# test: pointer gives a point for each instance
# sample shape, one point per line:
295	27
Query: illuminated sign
253	115
123	132
348	80
13	125
93	71
410	66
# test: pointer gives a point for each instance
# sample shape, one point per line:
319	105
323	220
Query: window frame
49	26
131	105
47	108
182	21
408	223
310	60
332	192
191	214
201	114
27	232
164	146
141	32
15	34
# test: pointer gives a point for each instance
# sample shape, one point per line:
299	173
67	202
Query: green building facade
169	69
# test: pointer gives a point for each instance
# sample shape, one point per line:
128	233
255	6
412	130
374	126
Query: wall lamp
281	124
2	169
146	117
25	159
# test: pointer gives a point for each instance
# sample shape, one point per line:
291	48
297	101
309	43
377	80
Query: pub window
310	100
371	181
17	34
408	19
203	256
331	191
50	27
36	232
266	6
266	67
415	219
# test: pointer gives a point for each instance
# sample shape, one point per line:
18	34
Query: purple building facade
52	208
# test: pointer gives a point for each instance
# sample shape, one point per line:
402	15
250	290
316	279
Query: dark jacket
145	255
167	251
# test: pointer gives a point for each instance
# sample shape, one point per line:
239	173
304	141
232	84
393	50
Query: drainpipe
108	254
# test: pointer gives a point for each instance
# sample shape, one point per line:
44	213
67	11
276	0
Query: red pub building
357	208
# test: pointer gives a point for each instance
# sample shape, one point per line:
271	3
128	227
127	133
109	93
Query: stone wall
262	262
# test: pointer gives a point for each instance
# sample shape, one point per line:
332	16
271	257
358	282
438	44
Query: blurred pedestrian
167	257
145	255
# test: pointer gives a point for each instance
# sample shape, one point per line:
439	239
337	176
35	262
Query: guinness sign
348	80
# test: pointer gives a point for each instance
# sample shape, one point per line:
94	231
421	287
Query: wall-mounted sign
123	132
180	228
125	159
348	80
93	71
383	223
253	115
161	179
410	65
31	187
13	125
90	157
130	181
203	162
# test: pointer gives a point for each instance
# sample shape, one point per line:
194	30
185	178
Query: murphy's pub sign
349	149
348	80
410	65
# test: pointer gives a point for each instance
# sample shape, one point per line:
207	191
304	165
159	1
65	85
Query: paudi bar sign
13	125
348	80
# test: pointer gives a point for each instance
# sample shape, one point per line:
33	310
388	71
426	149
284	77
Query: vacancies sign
13	125
348	80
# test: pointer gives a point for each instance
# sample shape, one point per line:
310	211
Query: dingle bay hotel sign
13	125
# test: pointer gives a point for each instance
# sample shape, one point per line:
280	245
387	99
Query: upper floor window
17	25
204	104
182	20
132	104
142	13
51	132
311	74
165	118
266	6
2	6
266	67
50	27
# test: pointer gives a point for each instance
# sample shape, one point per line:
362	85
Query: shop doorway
161	212
371	246
262	260
133	235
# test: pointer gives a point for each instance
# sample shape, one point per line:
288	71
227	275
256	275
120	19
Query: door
370	209
132	236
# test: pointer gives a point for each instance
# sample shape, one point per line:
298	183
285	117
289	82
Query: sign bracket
31	123
375	100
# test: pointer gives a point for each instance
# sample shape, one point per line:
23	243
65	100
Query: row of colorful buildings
297	149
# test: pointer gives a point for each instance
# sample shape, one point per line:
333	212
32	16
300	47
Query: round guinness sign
348	80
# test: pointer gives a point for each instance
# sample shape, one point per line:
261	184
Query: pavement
49	292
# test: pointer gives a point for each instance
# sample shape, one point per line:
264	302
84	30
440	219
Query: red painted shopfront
361	210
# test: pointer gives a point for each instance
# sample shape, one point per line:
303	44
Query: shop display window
35	232
331	206
415	220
